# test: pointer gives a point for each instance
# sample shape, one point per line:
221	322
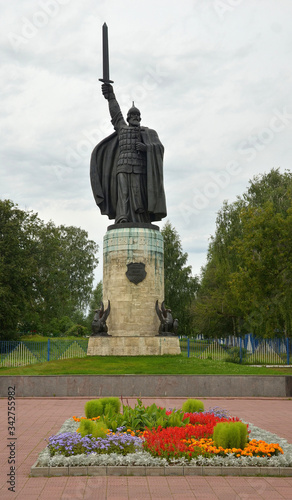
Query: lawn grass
40	338
144	365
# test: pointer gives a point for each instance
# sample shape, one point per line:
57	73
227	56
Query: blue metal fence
25	352
247	349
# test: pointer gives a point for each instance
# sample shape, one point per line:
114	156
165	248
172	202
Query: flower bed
189	444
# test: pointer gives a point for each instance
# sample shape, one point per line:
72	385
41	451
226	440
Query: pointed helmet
133	109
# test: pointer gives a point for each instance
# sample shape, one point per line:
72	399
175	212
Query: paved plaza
39	418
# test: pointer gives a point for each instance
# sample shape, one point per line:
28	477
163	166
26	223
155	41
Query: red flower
174	441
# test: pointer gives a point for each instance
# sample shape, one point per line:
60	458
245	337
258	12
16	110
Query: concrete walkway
39	418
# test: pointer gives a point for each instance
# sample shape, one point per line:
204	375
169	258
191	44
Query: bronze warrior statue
126	168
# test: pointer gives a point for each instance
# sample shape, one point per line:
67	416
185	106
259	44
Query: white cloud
213	83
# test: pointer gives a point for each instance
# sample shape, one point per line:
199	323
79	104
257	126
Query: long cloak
103	174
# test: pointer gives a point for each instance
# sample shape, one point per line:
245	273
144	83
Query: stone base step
133	346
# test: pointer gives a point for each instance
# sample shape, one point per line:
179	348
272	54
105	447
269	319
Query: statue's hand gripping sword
105	56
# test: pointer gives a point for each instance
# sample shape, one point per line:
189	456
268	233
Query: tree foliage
46	272
246	283
179	284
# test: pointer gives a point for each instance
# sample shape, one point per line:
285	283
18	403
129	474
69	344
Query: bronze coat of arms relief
136	272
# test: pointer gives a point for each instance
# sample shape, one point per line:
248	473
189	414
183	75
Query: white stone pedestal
132	346
133	322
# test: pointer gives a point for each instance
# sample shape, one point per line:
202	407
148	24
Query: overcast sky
212	77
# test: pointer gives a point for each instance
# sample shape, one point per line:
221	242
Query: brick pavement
37	419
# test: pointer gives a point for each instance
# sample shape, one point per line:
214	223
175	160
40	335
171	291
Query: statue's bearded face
134	119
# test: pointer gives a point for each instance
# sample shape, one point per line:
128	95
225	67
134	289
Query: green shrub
98	407
113	420
230	435
234	355
192	406
93	408
97	429
137	418
77	331
113	402
86	427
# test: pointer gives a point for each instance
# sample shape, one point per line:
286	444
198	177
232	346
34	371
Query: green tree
216	312
263	281
246	284
179	284
46	272
66	261
18	270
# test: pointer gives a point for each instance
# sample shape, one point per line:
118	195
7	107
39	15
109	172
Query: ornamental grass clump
230	435
193	406
98	407
111	402
86	427
90	427
93	408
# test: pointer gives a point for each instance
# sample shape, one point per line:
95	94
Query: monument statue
98	325
127	167
126	174
168	325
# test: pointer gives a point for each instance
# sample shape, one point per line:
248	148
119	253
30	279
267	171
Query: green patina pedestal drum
133	280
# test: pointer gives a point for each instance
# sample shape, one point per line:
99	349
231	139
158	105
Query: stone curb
149	386
144	470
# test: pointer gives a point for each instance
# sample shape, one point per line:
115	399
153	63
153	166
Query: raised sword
105	56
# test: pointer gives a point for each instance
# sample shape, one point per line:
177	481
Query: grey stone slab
212	470
288	386
136	470
116	470
230	471
250	471
147	385
174	470
96	470
39	471
142	470
59	471
78	470
269	471
196	470
155	471
285	471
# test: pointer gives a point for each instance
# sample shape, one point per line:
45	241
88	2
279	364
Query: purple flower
70	443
